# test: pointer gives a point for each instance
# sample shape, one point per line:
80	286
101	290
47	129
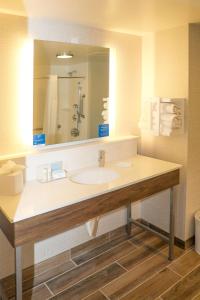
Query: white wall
16	82
193	156
165	74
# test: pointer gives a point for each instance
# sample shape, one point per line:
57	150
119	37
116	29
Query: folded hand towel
171	121
169	108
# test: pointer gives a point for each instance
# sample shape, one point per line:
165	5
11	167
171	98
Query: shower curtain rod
61	77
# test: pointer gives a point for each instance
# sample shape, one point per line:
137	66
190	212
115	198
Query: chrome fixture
101	159
75	132
78	112
71	73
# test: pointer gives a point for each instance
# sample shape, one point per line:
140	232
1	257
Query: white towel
170	108
171	121
105	115
10	167
105	105
174	124
92	226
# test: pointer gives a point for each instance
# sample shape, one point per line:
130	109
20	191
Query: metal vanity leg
171	226
129	218
18	273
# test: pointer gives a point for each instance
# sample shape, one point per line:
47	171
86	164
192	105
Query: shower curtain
50	111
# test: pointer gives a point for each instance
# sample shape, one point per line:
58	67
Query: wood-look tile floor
114	266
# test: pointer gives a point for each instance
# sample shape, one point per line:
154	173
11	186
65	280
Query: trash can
197	232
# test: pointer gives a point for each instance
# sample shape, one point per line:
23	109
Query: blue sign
39	139
103	130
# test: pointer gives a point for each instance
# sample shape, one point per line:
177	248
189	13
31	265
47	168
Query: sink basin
95	176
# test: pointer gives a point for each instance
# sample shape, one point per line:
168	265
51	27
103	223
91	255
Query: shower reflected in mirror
71	85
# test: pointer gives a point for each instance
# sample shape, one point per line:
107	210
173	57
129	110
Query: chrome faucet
101	159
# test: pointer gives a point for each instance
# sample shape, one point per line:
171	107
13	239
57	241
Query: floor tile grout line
108	251
148	246
195	296
175	272
47	280
74	263
156	272
108	240
70	286
153	275
104	294
101	269
127	271
25	292
116	261
85	297
128	240
140	282
182	255
42	273
49	289
150	277
53	278
182	278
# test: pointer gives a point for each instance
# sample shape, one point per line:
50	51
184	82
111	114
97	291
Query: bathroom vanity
44	210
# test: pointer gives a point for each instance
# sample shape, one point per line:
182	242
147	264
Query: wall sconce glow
64	55
25	113
112	91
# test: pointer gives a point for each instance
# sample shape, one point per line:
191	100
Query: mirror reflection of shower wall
68	92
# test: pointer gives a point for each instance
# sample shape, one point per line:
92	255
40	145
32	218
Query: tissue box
11	184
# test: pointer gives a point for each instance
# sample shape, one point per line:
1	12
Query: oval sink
95	176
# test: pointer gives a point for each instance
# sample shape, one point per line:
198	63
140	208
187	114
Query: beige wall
13	34
165	74
193	168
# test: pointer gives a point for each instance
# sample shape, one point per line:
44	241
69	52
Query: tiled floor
114	266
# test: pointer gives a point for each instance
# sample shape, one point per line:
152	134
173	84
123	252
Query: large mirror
71	89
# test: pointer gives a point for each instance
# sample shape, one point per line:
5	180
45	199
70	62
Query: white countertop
38	198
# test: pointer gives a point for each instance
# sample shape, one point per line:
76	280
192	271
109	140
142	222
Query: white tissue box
11	184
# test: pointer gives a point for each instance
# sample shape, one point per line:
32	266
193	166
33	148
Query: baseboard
178	242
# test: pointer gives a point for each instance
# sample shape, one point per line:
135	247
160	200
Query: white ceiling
130	16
